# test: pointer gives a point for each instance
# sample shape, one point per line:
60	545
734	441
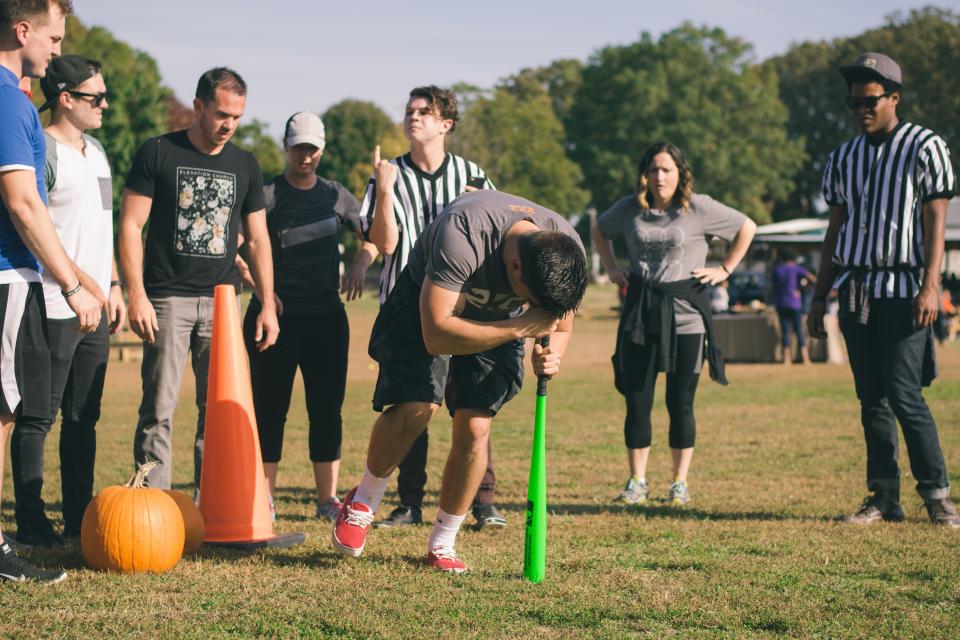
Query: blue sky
309	54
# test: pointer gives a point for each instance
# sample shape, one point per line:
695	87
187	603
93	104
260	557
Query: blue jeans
790	320
886	356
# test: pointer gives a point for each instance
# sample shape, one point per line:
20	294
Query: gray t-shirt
462	250
665	246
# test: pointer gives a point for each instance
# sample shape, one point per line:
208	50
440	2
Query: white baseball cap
305	128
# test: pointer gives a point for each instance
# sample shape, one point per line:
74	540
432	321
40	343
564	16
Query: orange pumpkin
132	528
193	528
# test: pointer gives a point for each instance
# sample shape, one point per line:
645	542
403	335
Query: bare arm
447	334
352	284
826	274
546	362
604	247
31	219
738	249
383	228
261	267
134	212
934	218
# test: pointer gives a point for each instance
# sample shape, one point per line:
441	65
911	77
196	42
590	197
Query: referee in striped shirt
403	197
888	190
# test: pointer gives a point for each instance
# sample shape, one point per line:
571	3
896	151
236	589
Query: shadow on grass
654	510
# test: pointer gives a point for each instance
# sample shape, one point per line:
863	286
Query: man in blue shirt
30	35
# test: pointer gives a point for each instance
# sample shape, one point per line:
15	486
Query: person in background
666	322
304	216
80	199
788	281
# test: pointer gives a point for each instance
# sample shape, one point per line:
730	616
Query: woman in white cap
304	215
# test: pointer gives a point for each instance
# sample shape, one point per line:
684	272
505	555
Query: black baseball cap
878	64
66	73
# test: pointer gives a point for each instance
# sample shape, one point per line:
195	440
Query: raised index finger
376	155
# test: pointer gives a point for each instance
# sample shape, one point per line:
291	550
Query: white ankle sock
445	529
370	490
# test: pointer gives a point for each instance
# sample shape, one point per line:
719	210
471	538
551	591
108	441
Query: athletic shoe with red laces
350	529
445	559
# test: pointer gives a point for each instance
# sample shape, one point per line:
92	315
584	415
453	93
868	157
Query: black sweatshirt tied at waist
653	302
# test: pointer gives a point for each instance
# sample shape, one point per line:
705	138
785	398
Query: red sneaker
350	529
446	559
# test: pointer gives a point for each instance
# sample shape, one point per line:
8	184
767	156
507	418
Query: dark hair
554	269
14	11
786	254
866	76
220	78
681	197
443	101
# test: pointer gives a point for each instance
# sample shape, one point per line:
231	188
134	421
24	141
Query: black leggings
681	389
318	345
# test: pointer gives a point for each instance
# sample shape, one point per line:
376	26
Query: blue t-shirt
786	279
22	147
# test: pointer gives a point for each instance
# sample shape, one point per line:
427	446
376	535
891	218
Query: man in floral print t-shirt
192	189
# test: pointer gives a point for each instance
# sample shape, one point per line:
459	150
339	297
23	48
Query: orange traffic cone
233	490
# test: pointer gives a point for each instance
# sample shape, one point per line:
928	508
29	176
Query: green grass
758	554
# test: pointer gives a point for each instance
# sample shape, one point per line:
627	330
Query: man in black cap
80	200
888	190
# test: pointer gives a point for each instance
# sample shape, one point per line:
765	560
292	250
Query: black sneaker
875	508
37	531
488	517
400	517
16	569
943	511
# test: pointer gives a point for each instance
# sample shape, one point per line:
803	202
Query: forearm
739	246
365	255
826	274
934	232
457	336
261	270
383	229
32	221
131	259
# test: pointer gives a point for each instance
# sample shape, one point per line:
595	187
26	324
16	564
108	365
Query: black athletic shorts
408	373
24	352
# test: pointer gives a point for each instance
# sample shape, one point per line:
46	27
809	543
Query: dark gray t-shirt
462	250
665	246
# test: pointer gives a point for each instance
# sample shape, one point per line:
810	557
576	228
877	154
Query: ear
197	106
895	98
21	30
447	125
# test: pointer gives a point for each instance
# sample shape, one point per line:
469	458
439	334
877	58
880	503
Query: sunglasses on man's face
98	98
870	102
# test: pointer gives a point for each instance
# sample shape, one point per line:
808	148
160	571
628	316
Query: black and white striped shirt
882	189
418	197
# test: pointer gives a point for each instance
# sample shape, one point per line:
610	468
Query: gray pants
185	324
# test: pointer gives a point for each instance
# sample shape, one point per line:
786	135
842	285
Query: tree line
569	134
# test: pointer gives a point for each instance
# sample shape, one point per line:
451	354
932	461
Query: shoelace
444	553
358	518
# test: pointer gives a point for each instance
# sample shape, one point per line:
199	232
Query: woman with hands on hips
666	323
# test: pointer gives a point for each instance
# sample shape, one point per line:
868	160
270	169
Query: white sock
370	490
445	529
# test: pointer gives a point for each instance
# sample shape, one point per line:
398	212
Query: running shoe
445	559
353	523
488	517
17	569
875	508
679	493
400	517
943	511
329	509
634	492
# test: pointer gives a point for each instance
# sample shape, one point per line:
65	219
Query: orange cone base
278	541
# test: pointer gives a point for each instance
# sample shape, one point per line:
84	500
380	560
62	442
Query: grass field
758	553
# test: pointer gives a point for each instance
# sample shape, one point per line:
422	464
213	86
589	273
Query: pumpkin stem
139	479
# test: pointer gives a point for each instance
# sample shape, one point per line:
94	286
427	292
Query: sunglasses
870	102
98	98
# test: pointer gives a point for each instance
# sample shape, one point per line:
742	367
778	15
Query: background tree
926	44
520	144
696	88
354	128
254	137
560	80
138	101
